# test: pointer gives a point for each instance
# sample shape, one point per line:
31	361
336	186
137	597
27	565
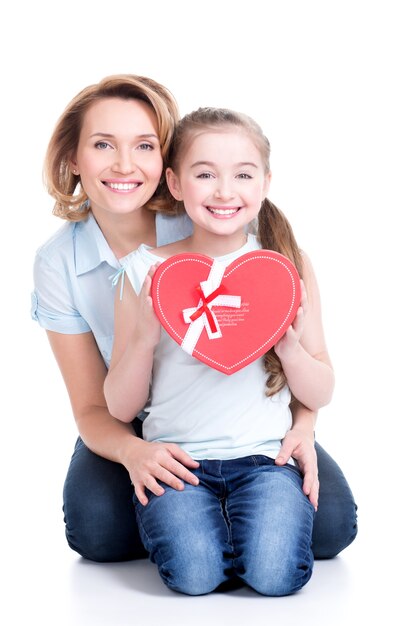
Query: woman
105	169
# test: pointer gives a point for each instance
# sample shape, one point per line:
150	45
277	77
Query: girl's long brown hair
274	231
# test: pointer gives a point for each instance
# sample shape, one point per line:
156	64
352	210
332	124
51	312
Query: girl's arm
137	332
84	372
303	352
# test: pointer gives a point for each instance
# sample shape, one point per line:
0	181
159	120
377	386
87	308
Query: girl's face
118	155
221	180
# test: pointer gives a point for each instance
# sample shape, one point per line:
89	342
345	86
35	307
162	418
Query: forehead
224	143
111	114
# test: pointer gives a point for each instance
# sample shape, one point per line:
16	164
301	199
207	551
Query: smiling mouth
223	212
122	186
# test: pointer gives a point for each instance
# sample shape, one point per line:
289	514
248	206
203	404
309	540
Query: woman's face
118	156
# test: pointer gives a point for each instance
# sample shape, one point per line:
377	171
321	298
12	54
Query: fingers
182	456
153	269
311	488
303	296
309	468
297	324
300	448
140	494
165	463
146	286
285	452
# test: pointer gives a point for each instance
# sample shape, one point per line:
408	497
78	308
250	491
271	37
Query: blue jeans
100	520
247	518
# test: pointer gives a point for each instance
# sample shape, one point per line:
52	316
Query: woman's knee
335	527
98	509
335	524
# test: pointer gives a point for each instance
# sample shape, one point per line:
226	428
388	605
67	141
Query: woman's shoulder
171	228
60	242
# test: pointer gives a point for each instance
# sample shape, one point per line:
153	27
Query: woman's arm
299	443
84	372
303	352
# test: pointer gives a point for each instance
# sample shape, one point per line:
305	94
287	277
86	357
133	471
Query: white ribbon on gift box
196	326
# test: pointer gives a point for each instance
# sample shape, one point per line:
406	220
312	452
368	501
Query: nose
224	190
123	162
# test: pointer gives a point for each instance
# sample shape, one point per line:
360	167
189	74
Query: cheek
155	167
89	163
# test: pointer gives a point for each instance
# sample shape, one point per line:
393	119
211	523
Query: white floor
373	581
48	584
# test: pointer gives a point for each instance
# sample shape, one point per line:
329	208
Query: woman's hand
299	444
152	462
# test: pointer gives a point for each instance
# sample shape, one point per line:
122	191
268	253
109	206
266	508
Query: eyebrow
211	164
110	136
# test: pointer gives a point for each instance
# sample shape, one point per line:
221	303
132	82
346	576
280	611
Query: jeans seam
229	530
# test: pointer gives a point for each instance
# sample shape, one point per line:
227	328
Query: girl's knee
193	576
285	580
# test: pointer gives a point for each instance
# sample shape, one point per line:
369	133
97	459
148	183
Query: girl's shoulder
136	265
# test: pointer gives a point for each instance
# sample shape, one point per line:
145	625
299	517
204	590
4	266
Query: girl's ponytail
275	233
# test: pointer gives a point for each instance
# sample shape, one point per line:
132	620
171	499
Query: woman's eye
204	175
146	146
244	176
102	145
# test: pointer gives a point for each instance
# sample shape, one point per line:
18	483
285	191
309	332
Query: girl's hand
285	347
300	445
148	326
165	462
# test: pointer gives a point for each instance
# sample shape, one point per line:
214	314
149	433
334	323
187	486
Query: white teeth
223	211
123	186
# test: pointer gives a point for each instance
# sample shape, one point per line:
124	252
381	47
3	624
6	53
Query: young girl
245	515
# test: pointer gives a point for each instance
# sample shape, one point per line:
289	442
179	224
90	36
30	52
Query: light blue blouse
72	276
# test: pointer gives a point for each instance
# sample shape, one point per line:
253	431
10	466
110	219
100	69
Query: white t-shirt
209	414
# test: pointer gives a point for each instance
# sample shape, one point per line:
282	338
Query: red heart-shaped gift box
268	285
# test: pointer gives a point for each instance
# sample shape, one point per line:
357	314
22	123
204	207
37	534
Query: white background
334	86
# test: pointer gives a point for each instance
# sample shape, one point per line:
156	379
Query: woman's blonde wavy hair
71	202
273	229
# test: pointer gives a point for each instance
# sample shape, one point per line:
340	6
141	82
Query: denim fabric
100	517
98	512
335	524
246	518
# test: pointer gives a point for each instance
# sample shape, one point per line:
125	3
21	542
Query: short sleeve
52	302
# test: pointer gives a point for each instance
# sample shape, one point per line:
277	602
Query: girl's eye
102	145
244	176
204	175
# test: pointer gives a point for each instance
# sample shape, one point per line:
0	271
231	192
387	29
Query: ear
173	184
72	164
267	181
